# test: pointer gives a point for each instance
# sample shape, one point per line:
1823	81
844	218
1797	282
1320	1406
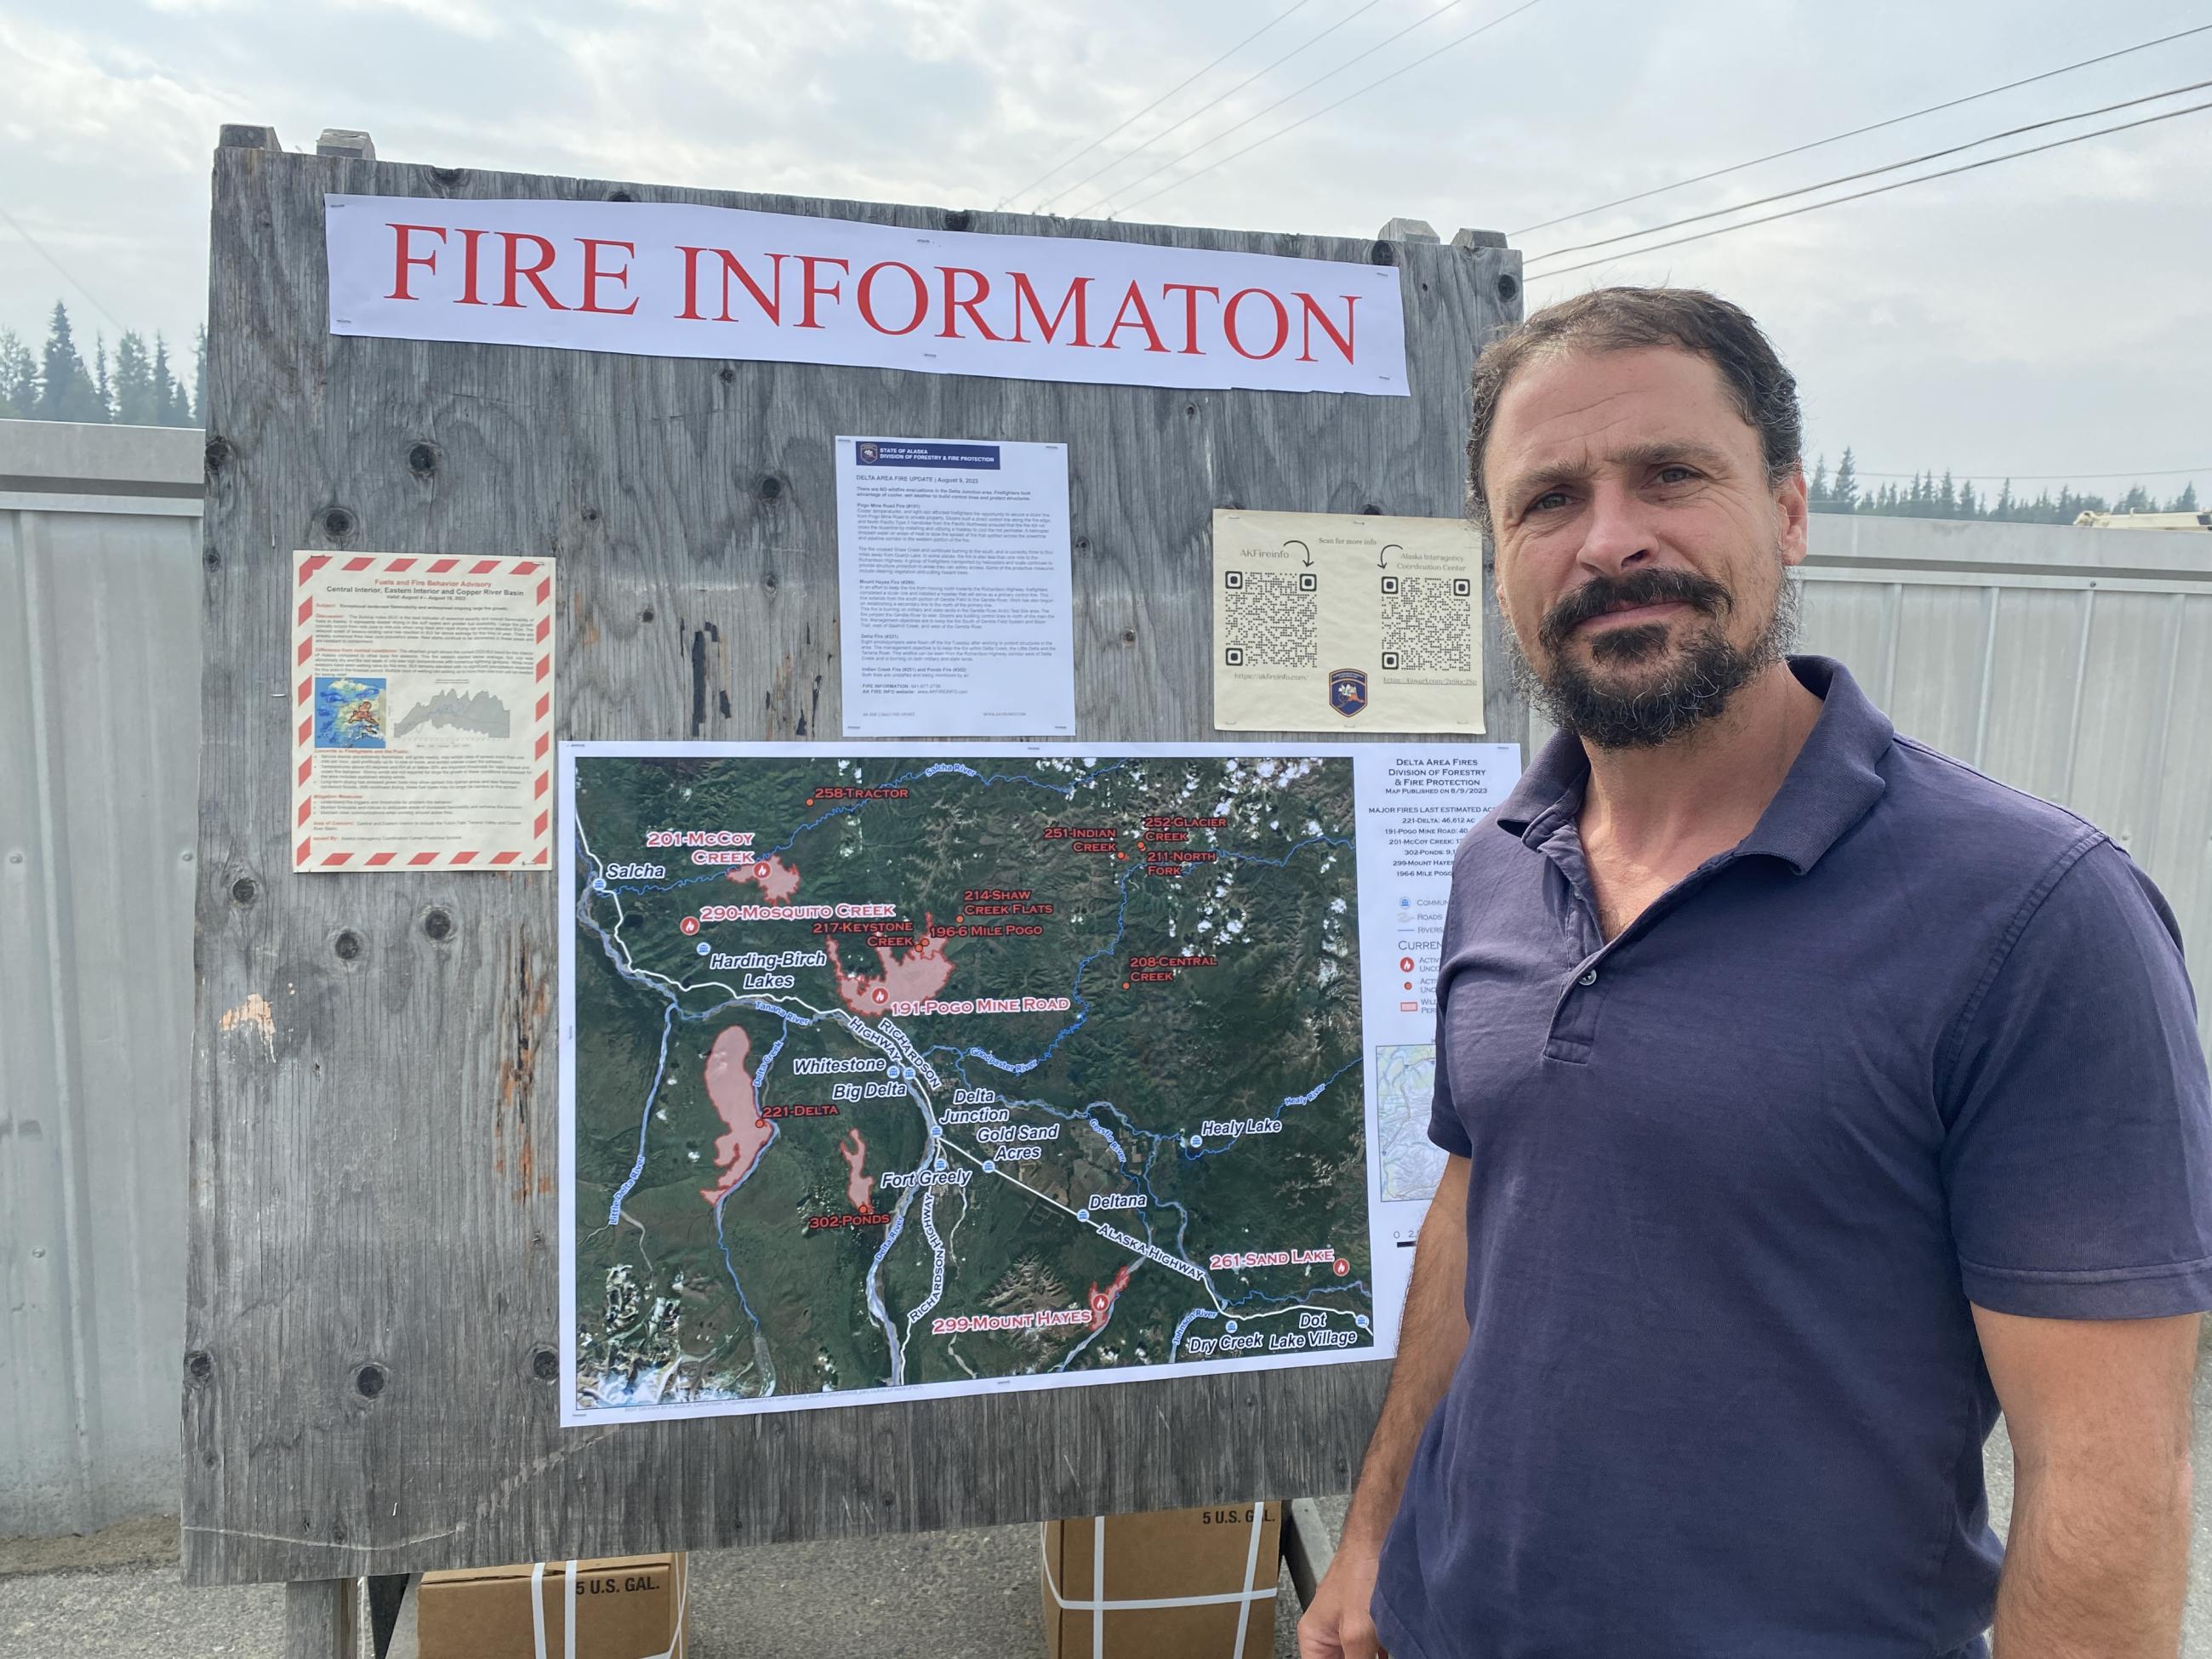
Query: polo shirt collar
1835	780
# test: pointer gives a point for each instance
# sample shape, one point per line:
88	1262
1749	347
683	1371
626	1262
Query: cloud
477	22
2030	314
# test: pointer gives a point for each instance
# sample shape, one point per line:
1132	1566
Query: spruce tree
1845	491
167	394
1969	507
2186	501
1816	493
134	383
66	390
101	390
199	377
19	377
176	401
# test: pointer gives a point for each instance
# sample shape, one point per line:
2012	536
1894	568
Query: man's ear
1790	500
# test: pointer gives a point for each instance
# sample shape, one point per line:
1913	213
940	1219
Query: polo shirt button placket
1574	1020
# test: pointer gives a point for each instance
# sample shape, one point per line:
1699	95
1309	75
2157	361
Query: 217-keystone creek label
926	1071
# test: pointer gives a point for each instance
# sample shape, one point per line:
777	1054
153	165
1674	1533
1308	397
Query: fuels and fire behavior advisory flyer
912	1070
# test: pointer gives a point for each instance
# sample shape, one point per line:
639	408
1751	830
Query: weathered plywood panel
372	1251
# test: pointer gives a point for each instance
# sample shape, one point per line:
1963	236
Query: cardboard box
1173	1584
630	1608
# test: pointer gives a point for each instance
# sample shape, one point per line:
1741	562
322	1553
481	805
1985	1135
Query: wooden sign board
372	1322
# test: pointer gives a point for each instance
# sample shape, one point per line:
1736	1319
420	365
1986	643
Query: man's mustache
1602	593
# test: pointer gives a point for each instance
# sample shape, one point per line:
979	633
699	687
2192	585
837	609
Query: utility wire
1069	190
1875	126
1867	172
1457	41
1265	108
66	276
1279	18
1878	190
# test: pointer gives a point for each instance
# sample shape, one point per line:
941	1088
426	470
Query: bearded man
1809	1098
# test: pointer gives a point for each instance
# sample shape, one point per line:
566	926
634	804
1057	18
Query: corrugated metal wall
2075	664
2072	663
100	597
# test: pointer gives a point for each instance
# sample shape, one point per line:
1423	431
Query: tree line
139	386
1928	497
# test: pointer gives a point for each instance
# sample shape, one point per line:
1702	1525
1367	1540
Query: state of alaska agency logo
870	454
1347	690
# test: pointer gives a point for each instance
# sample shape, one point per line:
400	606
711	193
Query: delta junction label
924	1071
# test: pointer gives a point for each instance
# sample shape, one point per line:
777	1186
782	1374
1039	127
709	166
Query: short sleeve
2078	1147
1445	1129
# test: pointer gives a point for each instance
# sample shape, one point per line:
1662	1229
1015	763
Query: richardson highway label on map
917	1070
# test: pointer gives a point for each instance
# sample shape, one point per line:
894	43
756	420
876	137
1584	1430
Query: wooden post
320	1620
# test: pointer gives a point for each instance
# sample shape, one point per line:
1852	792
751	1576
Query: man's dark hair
1622	319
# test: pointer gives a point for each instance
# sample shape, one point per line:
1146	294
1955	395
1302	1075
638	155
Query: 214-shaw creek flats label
932	1070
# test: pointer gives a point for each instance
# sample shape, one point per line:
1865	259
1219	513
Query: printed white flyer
955	607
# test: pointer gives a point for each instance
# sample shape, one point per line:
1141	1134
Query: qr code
1269	619
1430	623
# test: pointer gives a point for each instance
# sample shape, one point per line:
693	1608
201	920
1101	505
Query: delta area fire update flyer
422	713
908	1070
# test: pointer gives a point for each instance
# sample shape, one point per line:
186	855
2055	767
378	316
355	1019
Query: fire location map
920	1070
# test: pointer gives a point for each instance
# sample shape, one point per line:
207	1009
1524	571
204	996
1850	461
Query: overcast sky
2048	315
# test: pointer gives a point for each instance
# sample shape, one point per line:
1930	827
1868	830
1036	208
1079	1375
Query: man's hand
1337	1624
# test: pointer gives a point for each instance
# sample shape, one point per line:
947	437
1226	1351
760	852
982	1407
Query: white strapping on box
682	1593
1098	1606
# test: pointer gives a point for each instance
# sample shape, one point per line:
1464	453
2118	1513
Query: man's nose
1617	535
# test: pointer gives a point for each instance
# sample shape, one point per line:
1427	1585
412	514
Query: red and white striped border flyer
422	712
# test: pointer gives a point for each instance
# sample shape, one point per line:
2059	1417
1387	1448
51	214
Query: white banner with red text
675	280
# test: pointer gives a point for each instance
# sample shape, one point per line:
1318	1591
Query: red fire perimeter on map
860	1186
916	977
777	880
730	1086
1101	1302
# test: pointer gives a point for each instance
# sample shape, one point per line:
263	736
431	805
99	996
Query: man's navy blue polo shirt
1917	1040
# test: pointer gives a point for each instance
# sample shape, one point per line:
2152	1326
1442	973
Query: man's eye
1547	501
1676	474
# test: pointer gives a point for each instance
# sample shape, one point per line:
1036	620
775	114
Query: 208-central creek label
913	1070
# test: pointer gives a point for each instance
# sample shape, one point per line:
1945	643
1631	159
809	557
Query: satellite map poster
423	713
912	1070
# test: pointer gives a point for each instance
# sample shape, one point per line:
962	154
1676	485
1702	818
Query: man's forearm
2093	1572
1431	1339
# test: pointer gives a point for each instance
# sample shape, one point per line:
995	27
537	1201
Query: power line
1457	41
1867	172
1069	190
1878	190
41	247
1875	126
1264	109
1279	18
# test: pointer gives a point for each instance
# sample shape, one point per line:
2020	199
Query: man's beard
1696	686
